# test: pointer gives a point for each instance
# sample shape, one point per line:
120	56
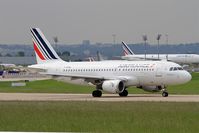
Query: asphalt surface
88	97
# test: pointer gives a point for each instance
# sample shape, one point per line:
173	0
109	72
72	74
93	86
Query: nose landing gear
165	93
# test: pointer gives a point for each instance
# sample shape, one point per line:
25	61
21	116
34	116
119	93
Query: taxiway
88	97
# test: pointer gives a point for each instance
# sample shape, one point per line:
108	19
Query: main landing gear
97	93
124	93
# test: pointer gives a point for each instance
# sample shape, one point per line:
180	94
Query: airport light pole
114	38
144	37
158	39
167	43
56	41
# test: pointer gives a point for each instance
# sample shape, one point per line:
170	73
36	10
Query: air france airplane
178	58
112	76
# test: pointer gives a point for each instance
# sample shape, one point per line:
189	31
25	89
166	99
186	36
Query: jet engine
113	86
150	88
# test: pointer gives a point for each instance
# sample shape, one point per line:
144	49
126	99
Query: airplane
177	58
112	76
8	65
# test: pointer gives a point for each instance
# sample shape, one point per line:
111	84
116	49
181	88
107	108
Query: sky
97	20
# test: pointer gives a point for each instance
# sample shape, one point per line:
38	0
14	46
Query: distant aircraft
178	58
111	76
8	65
99	57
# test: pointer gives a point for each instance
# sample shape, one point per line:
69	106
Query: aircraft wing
123	78
97	79
139	58
88	78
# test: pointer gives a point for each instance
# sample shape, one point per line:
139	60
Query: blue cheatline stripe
129	50
44	44
40	46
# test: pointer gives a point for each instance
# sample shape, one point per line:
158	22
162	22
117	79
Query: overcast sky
97	20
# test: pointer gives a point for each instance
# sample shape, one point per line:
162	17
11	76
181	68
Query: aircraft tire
97	93
124	93
165	94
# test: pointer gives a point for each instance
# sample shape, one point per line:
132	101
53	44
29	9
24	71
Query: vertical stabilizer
43	50
127	50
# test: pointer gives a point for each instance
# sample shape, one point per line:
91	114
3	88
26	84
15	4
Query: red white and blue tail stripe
127	50
43	50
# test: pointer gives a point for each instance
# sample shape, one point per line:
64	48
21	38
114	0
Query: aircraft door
159	76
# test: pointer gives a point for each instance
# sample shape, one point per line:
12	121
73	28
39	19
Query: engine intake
113	86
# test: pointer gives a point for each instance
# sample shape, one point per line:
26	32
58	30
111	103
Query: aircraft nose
186	77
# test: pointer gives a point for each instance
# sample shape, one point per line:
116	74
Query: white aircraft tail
43	50
99	56
127	50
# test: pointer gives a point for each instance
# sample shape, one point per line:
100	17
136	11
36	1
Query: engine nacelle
113	86
150	88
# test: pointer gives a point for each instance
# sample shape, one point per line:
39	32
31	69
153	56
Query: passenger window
175	69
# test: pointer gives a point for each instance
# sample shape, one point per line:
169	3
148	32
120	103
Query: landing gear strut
124	93
97	93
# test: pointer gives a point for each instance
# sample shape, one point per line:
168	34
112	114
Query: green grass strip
53	86
117	117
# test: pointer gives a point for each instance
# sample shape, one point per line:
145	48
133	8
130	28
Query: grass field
117	117
140	117
52	86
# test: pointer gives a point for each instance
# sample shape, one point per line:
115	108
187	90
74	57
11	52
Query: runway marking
88	97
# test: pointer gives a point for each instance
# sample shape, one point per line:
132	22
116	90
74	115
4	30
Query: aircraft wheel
165	94
97	93
124	93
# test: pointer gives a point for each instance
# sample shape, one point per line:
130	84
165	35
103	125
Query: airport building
18	60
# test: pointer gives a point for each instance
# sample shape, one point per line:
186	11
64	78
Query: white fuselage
135	72
178	58
109	76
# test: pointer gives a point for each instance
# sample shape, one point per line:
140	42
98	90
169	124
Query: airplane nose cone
186	77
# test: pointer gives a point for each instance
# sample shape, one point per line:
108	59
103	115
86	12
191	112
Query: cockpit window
175	68
171	69
180	68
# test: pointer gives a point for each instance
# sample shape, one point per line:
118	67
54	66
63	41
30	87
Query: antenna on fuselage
167	44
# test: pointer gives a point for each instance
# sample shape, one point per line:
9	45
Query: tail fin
127	50
43	50
99	56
